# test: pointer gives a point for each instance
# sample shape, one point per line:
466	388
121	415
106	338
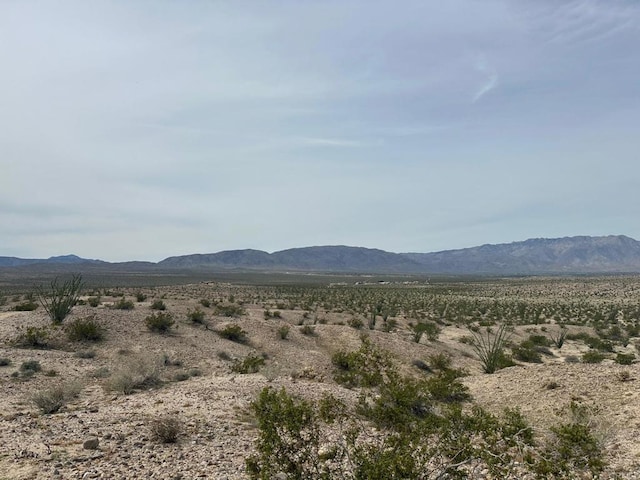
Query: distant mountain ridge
568	255
581	254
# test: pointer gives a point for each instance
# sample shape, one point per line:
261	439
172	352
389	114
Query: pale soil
218	428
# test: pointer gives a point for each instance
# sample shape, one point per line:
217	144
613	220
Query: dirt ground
213	403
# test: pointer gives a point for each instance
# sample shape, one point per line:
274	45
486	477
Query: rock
91	443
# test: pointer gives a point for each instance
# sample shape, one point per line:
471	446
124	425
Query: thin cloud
491	80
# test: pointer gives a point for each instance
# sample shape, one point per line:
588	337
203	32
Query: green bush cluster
85	330
160	322
233	332
250	364
421	432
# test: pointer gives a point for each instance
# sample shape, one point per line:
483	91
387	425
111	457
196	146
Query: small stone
91	443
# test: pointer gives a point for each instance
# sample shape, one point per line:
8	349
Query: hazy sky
144	129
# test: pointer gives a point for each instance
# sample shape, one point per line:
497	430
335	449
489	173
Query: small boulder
91	443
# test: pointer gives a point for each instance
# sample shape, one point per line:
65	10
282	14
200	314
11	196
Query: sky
138	130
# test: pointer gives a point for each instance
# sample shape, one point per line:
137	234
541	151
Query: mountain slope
326	258
580	254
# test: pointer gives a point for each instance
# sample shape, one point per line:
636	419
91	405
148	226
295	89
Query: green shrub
431	330
366	367
283	332
158	305
123	304
592	356
27	306
53	399
58	300
205	303
308	330
160	322
229	310
85	330
250	364
140	297
526	352
356	323
625	358
233	332
32	337
30	366
93	301
196	316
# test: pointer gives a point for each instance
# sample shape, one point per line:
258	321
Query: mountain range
568	255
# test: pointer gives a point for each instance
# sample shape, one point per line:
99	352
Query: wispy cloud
491	80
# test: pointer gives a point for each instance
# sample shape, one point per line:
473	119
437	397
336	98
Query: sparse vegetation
123	304
233	332
250	364
32	337
165	429
196	316
53	399
490	348
158	305
160	322
85	330
283	332
59	299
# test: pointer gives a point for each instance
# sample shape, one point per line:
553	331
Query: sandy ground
214	407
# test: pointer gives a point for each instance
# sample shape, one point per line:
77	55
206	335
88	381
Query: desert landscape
166	381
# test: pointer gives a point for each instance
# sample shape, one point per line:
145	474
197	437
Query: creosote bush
158	305
250	364
196	316
59	299
32	337
27	306
138	372
85	330
160	322
123	304
233	332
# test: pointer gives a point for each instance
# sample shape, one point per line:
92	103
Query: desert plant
625	358
283	332
592	356
559	337
93	301
86	354
490	348
526	352
158	305
366	367
229	310
196	316
32	337
5	362
431	330
356	323
308	330
136	373
27	306
53	399
250	364
140	297
233	332
85	330
160	322
59	299
165	429
205	303
123	304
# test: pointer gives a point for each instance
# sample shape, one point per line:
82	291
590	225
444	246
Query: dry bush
165	429
136	373
53	399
